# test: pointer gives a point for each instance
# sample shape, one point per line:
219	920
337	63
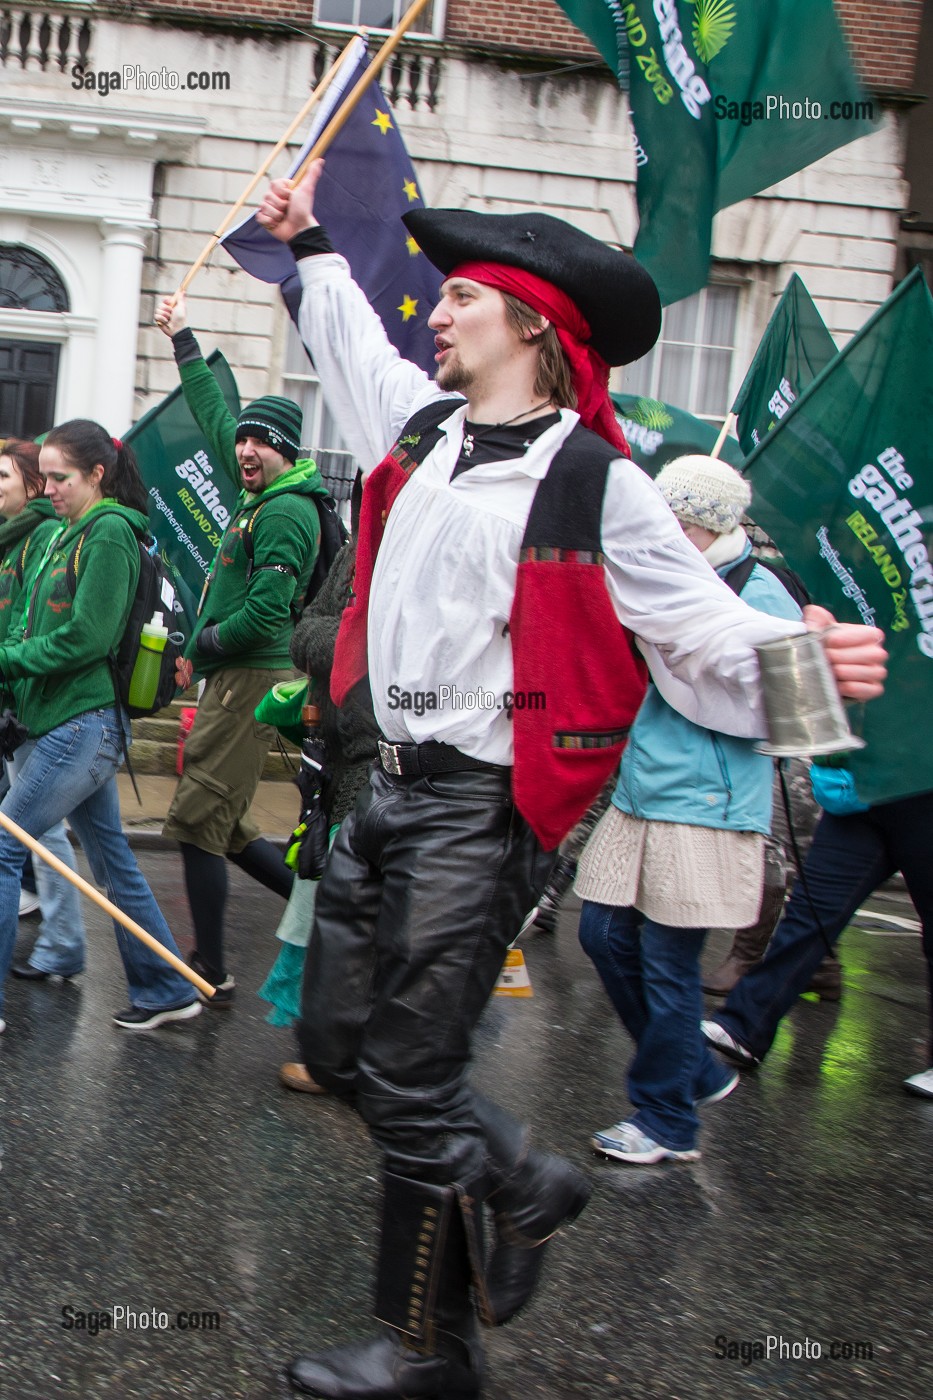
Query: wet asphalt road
168	1171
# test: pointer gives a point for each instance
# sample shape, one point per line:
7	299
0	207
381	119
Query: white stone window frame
72	330
399	7
79	192
62	328
634	380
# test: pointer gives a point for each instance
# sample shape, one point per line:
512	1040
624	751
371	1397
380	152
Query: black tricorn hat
612	290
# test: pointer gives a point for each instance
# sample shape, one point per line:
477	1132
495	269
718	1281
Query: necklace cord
469	439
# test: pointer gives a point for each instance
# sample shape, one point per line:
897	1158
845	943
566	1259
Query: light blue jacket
675	771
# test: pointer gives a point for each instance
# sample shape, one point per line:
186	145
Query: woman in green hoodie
29	523
54	656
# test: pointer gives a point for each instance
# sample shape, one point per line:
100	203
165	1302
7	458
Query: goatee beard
454	378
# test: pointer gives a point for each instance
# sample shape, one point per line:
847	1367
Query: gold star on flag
409	307
412	246
382	120
411	189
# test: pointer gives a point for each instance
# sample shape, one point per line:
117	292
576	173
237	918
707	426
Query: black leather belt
421	760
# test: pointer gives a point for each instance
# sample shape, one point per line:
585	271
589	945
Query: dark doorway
28	379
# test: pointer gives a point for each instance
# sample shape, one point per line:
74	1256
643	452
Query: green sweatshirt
23	539
56	651
255	618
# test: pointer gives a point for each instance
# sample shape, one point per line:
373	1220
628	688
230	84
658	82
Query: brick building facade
503	105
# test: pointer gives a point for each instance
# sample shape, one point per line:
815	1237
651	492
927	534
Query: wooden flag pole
158	948
342	115
723	434
263	170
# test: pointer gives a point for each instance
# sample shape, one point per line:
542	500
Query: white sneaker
2	1026
627	1143
727	1045
921	1084
28	903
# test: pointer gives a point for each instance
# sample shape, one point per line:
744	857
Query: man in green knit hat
240	645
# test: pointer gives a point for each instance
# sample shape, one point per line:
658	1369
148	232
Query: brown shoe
827	980
295	1076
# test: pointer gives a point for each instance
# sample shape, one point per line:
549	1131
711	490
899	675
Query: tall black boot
431	1350
532	1194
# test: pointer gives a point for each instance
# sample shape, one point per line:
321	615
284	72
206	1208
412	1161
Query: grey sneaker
921	1084
721	1040
627	1143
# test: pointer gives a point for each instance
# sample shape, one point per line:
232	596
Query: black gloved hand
209	643
12	734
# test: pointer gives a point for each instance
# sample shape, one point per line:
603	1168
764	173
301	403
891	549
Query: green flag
844	483
191	498
727	98
657	432
795	347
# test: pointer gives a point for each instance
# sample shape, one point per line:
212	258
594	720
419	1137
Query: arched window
28	281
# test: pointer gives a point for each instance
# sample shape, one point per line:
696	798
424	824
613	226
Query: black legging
206	884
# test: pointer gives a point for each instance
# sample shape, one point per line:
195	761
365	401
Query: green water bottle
145	678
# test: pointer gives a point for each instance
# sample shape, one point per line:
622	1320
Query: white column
76	369
118	323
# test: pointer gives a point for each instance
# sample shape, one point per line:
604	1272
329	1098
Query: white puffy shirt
445	574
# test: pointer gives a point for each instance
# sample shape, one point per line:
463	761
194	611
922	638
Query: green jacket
255	618
23	539
58	663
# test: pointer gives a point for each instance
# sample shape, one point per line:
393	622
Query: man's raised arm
369	389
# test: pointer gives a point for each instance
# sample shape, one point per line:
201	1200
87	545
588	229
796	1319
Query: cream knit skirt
684	876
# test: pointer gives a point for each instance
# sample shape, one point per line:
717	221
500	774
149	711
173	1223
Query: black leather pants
425	888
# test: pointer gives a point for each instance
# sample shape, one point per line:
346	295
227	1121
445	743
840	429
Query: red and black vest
567	642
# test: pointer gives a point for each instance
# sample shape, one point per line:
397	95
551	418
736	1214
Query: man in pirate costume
507	547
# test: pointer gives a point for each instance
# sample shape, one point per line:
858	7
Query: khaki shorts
224	758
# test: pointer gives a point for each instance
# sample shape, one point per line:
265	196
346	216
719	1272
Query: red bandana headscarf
588	369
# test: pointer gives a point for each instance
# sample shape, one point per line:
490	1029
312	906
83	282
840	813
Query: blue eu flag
368	183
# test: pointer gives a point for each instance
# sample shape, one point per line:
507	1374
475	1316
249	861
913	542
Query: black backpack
739	574
155	592
334	535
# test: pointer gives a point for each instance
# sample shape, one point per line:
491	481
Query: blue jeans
71	773
652	974
61	942
850	857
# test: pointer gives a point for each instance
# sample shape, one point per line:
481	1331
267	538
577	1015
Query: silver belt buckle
389	758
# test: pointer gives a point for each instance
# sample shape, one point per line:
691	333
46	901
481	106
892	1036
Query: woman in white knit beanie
680	849
709	499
